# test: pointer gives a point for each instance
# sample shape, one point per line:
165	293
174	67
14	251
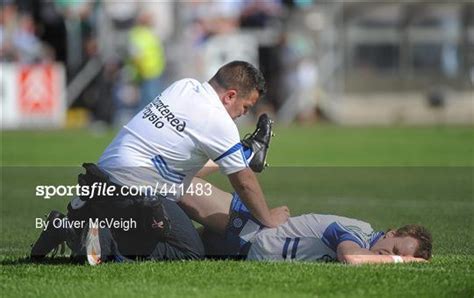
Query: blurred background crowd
347	62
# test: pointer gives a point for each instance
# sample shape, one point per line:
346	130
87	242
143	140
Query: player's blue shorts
241	227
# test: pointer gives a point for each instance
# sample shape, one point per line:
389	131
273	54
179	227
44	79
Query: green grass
292	146
386	176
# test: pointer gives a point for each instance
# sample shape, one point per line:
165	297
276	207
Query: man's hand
279	215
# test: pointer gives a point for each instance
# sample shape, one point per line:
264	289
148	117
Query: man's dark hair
240	75
421	234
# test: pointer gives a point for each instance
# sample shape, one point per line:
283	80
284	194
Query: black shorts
181	242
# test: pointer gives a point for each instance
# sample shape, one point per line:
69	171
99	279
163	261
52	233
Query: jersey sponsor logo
157	113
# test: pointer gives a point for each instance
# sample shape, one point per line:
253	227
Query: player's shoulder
191	81
184	84
213	116
204	92
327	219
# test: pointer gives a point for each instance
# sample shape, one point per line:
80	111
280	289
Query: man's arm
351	253
246	185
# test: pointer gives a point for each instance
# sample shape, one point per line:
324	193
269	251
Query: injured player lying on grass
232	232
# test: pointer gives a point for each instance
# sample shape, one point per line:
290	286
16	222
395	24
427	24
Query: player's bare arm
351	253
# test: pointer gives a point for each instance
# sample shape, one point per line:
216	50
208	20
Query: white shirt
172	138
310	237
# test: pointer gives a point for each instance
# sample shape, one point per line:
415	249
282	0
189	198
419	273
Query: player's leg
137	209
209	208
89	243
232	241
182	241
100	245
163	230
213	209
254	145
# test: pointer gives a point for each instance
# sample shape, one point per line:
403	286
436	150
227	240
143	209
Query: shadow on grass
46	261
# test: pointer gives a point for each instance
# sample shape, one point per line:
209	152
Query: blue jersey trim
160	171
160	159
355	234
243	157
295	247
232	149
336	233
165	174
247	152
284	253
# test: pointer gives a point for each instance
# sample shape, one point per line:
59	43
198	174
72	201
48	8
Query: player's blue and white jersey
172	138
310	237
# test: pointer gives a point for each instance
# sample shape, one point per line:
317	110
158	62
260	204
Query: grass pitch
386	176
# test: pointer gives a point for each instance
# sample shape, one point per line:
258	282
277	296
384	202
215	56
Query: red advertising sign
38	94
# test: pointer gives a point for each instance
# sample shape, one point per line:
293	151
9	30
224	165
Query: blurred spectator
266	15
26	44
98	97
147	59
8	25
79	26
114	23
19	42
258	14
51	28
206	19
162	17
